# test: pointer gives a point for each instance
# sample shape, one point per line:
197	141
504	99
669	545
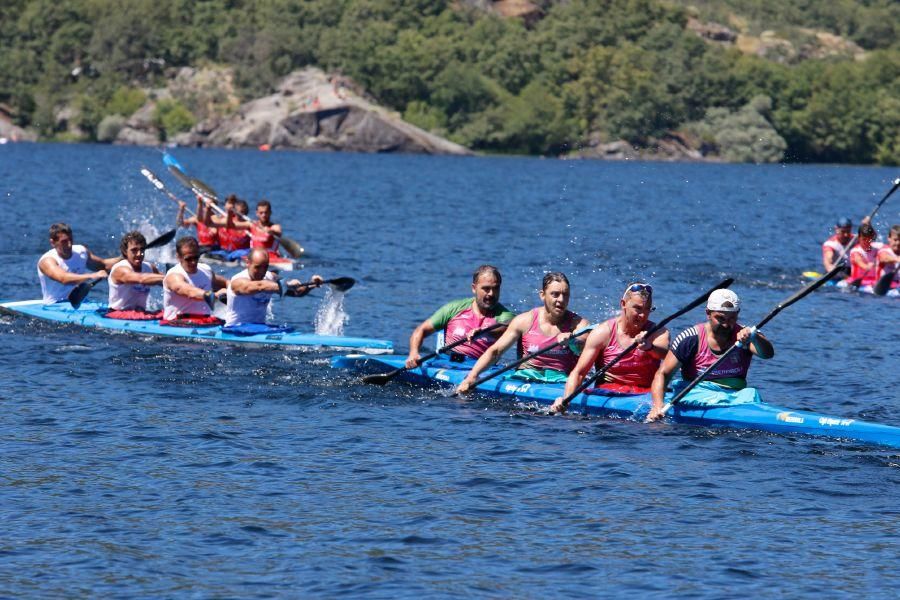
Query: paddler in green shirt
465	318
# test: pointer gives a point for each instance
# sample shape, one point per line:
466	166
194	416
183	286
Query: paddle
161	187
383	378
600	372
341	284
163	239
198	187
81	291
883	285
781	306
528	357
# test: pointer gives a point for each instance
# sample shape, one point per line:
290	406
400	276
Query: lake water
139	467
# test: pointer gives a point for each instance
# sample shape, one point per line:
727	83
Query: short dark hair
265	203
186	241
241	205
490	269
554	276
232	198
866	230
58	228
132	236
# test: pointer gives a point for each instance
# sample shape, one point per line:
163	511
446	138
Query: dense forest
544	83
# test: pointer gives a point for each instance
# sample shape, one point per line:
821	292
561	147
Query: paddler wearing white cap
698	347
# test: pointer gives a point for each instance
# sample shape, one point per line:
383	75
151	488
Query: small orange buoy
265	147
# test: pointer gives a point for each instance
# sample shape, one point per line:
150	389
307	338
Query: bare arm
246	287
51	269
513	332
123	275
181	286
758	344
596	343
415	342
660	381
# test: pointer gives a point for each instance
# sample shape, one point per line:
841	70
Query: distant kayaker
863	258
835	246
464	318
633	373
250	291
889	259
263	231
130	280
232	239
698	347
66	265
207	233
188	288
533	330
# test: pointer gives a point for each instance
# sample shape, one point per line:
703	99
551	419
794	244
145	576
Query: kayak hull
90	314
756	416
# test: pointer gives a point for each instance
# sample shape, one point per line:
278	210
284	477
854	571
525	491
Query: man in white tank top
250	291
188	288
130	278
66	265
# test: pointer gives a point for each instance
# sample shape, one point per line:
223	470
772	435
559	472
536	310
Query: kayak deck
90	314
757	416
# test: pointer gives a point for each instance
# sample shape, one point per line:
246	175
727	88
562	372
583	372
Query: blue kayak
90	314
759	416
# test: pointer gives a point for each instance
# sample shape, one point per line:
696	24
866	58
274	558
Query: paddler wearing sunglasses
188	288
634	372
698	347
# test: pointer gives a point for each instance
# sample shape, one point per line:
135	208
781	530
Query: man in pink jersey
698	347
465	318
863	260
633	373
836	245
536	329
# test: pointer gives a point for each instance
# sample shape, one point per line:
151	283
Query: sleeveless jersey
636	368
832	245
207	236
692	350
262	239
175	305
245	309
560	358
859	273
882	268
128	296
232	239
52	290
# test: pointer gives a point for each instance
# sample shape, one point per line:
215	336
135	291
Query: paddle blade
380	378
204	189
883	285
181	177
342	284
292	247
163	239
170	162
81	291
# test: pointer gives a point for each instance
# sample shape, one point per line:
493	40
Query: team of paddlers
479	328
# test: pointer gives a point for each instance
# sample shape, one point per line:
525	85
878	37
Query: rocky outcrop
310	110
674	146
10	132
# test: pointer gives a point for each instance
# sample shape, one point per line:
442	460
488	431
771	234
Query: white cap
723	301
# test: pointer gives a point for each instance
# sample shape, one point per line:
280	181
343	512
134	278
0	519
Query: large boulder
310	110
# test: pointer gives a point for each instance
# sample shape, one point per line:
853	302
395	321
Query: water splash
331	317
